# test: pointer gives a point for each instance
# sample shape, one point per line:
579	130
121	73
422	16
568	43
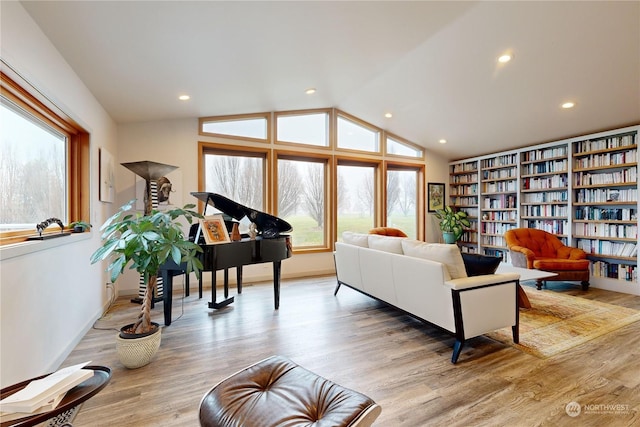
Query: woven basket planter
138	352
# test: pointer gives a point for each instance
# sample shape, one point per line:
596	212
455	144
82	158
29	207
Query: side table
70	404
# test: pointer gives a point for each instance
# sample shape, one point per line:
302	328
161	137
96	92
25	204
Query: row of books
465	167
500	174
545	197
625	176
545	210
606	159
469	237
502	201
618	141
500	187
500	216
615	271
549	182
495	228
606	195
622	231
503	160
467	190
605	247
550	166
464	179
506	257
550	226
546	153
467	200
600	214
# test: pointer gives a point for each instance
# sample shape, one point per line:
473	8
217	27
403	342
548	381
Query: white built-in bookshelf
544	200
463	195
583	189
498	202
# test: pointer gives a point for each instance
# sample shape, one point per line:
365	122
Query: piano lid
268	225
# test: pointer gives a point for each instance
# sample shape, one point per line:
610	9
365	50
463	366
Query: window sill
28	247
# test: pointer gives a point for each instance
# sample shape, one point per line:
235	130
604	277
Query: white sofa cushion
356	239
386	243
448	255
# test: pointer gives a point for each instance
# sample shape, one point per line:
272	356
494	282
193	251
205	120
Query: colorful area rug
557	322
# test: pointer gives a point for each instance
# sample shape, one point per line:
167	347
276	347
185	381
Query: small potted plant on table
144	243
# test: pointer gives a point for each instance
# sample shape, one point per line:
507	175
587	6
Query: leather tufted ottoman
277	392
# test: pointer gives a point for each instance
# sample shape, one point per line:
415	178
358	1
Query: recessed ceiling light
310	91
443	141
505	58
184	97
388	115
568	105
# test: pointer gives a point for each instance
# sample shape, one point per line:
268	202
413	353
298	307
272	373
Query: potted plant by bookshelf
452	223
144	243
80	226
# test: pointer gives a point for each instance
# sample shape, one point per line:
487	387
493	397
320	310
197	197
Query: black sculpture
47	222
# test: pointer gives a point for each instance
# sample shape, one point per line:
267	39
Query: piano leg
213	304
226	283
239	278
276	284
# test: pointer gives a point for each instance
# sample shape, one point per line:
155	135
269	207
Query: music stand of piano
268	246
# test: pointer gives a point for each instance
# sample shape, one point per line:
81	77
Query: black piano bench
277	392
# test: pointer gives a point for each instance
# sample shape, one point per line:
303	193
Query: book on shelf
45	391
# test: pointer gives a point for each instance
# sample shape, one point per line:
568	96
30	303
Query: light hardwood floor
362	344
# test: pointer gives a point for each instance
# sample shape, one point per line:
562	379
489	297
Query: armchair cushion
556	264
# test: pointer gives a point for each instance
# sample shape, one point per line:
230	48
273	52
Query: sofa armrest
478	281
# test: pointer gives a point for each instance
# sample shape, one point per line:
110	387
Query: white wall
49	293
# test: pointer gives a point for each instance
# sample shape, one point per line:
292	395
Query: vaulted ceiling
432	64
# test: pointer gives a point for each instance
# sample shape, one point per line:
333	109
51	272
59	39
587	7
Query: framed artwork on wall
435	195
214	230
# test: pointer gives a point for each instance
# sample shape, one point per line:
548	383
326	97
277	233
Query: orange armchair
537	249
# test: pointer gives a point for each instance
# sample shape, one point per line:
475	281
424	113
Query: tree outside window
301	200
356	199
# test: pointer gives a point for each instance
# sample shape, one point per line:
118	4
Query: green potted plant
452	223
144	243
80	226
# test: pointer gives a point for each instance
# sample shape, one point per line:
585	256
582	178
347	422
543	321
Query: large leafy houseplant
452	221
144	243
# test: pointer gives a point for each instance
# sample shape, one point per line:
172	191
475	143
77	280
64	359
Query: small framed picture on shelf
435	193
214	230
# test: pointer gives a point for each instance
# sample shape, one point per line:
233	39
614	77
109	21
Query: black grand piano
270	245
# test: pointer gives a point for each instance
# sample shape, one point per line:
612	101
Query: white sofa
429	282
